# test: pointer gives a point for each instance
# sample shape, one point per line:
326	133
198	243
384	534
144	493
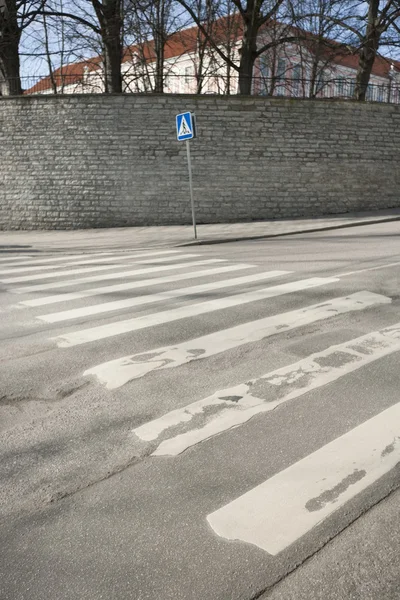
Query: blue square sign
185	127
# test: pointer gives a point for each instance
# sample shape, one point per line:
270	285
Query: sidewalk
86	240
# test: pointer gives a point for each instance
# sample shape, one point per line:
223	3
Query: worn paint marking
76	313
39	258
262	395
118	372
141	283
85	261
111	276
63	273
279	511
84	336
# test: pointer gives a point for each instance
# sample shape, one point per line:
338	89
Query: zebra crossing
280	510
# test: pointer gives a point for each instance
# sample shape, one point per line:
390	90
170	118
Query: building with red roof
307	67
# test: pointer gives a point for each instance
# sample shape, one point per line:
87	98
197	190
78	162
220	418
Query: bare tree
15	16
203	59
103	19
379	20
48	55
10	35
109	15
151	21
254	15
323	39
372	24
154	24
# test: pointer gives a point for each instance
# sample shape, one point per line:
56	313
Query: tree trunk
9	52
368	51
112	63
248	51
159	46
111	24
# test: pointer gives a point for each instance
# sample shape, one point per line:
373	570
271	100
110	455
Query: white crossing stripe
239	404
92	261
376	268
96	309
275	514
63	273
17	257
132	285
118	372
38	259
109	276
119	327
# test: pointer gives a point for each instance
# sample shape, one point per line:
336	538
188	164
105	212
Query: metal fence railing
208	83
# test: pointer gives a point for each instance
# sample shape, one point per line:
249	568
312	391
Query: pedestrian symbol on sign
185	127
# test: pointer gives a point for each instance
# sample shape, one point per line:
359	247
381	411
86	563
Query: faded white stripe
278	512
96	309
70	263
242	402
63	273
376	268
16	259
116	373
110	276
36	259
133	285
112	329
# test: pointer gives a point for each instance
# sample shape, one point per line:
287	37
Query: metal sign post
186	131
191	188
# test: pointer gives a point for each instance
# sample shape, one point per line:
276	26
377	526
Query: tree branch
50	13
207	35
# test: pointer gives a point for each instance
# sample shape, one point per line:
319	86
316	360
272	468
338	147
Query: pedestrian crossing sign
185	126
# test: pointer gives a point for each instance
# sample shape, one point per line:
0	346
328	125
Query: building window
280	77
296	76
320	85
188	75
380	93
264	75
340	84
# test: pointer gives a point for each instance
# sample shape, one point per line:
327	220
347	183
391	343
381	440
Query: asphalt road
196	423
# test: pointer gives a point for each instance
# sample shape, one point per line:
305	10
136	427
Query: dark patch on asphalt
330	496
10	400
264	390
196	352
389	448
336	359
367	346
143	357
70	390
230	398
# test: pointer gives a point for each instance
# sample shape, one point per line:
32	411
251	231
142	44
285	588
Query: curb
286	233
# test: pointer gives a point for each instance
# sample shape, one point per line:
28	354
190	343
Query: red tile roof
381	68
66	75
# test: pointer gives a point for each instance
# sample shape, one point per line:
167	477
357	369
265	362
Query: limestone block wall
108	161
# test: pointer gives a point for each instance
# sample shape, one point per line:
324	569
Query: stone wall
105	161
